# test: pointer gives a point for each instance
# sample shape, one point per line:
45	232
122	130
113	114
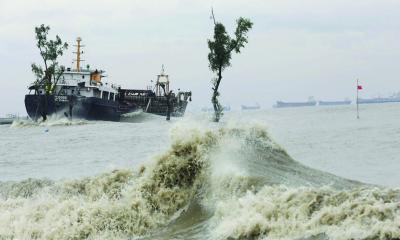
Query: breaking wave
50	122
222	183
133	114
139	116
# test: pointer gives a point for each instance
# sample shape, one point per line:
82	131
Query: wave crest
242	184
120	203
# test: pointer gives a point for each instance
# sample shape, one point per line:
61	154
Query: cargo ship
81	93
393	99
311	102
334	103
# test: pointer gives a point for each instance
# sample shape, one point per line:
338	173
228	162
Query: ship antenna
78	52
162	69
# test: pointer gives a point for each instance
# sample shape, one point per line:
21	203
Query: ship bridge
85	81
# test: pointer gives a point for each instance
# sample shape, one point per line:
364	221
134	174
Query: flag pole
358	114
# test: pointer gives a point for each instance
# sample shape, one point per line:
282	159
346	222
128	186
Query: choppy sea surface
299	173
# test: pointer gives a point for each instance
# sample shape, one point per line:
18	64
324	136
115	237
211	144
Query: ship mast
78	52
162	83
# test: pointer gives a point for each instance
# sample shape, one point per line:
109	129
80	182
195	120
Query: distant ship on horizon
251	107
311	102
392	99
8	119
334	103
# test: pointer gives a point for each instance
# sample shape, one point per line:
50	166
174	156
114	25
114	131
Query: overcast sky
296	48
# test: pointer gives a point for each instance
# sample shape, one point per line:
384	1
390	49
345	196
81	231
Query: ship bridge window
104	95
96	93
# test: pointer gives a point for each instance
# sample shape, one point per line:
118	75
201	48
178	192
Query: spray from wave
133	114
280	212
226	183
139	117
50	122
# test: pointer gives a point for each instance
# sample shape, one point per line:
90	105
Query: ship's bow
39	106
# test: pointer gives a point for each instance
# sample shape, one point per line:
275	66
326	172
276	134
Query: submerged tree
221	48
48	76
50	50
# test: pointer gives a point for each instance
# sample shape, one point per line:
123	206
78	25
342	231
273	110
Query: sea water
299	173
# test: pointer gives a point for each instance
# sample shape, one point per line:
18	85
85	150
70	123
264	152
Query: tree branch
212	15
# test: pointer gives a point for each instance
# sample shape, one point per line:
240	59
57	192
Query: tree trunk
45	108
214	99
168	107
71	105
46	94
215	106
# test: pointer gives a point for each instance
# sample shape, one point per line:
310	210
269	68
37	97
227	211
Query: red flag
359	87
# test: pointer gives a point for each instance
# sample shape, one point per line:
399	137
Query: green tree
47	77
221	48
50	50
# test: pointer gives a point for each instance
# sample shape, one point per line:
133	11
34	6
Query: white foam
278	212
51	121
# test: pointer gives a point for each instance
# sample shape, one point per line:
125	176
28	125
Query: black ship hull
90	108
150	103
161	108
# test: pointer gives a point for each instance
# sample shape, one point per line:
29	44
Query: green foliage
38	71
222	45
50	50
219	55
221	48
243	26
